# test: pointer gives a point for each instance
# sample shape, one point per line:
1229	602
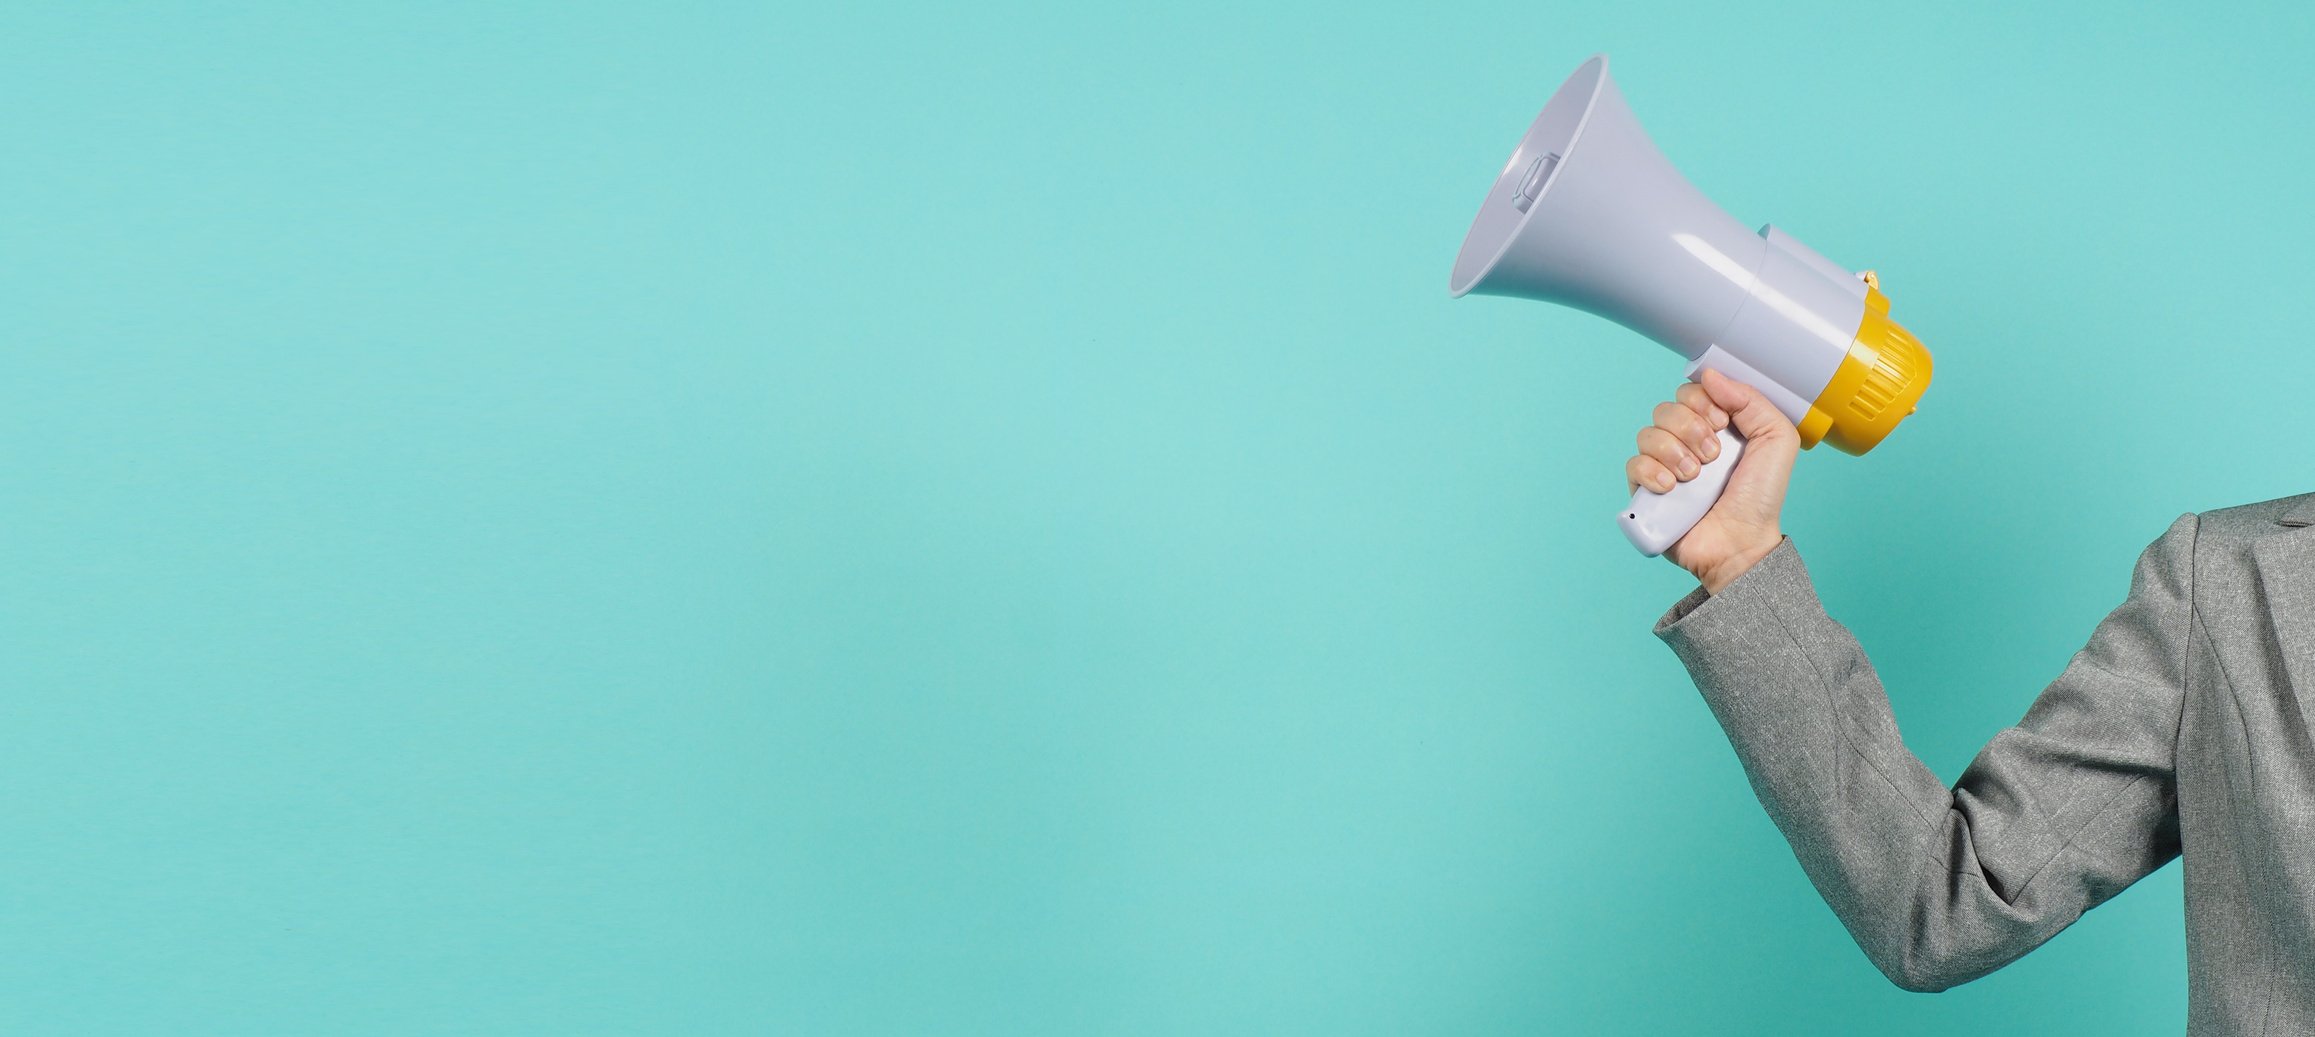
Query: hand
1742	527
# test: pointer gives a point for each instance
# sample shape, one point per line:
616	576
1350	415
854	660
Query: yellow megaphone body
1588	214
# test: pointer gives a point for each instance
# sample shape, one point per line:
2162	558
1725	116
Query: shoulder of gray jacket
2251	521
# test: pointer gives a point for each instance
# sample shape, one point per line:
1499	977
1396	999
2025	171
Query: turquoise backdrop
678	518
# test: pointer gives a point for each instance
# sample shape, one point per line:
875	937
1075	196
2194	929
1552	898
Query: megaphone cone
1588	213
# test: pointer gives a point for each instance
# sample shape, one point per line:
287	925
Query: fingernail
1663	484
1712	448
1687	466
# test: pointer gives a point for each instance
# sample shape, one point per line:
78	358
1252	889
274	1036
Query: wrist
1737	563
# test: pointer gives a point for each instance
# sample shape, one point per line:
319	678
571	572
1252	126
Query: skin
1742	527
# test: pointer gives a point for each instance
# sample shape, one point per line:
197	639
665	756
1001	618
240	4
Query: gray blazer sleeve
1940	886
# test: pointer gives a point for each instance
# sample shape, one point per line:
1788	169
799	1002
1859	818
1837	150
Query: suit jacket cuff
1762	682
1717	631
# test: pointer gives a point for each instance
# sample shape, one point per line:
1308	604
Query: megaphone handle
1655	521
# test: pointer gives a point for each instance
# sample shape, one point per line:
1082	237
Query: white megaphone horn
1587	213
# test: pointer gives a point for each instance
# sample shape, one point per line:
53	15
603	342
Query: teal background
865	519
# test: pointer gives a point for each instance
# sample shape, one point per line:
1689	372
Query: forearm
1897	855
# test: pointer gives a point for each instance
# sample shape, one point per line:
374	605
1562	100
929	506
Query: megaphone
1588	214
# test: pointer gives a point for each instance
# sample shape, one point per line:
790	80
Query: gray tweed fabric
2181	728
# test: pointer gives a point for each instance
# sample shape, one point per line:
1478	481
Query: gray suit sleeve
1941	886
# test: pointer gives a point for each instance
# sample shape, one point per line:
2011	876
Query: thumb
1755	493
1749	410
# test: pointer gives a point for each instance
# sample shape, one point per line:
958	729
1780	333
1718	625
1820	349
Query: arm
2054	816
1938	886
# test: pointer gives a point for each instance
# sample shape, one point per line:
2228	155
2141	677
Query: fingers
1693	430
1695	398
1684	438
1665	449
1647	471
